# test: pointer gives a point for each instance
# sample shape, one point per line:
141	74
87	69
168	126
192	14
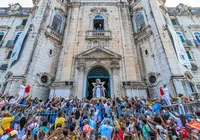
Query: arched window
57	22
181	37
98	71
197	36
1	36
98	22
140	22
16	37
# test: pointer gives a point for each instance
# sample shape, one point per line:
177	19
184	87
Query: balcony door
98	22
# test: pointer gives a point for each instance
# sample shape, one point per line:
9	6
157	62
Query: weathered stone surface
58	61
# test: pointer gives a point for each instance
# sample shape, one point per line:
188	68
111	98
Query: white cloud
169	3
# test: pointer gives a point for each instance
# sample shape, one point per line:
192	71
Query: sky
169	3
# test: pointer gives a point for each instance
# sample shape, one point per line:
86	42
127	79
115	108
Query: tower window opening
140	22
57	22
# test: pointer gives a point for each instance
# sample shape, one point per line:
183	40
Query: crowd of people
24	118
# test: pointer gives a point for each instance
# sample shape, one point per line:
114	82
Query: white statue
98	90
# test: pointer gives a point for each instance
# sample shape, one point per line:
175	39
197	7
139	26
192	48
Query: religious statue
98	90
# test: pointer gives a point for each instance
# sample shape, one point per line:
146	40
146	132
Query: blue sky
169	3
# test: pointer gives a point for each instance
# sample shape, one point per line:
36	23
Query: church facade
133	47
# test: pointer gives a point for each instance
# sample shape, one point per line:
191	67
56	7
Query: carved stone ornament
115	64
8	75
35	2
14	8
98	10
134	85
81	64
98	53
43	79
61	84
184	9
194	26
189	77
95	43
4	27
153	79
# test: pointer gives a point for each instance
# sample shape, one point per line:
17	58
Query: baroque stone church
134	47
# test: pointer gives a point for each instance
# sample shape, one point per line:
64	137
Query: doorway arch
101	73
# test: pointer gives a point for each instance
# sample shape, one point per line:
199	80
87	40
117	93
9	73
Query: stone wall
58	61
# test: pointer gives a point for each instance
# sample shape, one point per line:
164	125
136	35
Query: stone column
115	79
80	81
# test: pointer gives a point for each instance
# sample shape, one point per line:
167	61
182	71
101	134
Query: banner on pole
18	45
179	48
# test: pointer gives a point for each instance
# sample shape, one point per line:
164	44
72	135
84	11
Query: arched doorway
97	73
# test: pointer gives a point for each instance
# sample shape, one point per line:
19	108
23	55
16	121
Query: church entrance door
97	73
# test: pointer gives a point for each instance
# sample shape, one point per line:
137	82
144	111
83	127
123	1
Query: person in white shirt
166	95
107	109
21	92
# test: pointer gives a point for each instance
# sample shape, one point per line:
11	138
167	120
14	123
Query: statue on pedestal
98	90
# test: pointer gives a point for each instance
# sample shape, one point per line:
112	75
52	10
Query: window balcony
187	43
92	34
10	44
20	27
143	33
50	32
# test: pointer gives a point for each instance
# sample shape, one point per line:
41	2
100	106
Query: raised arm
151	122
174	117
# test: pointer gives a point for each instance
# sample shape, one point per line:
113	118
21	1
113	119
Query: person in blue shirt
105	120
99	107
119	109
106	130
93	124
156	107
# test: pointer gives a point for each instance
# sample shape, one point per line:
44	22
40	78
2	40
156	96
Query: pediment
98	53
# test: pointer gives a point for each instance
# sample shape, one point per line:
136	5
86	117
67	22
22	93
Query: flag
27	89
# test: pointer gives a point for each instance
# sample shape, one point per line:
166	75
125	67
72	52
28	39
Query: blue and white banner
179	48
18	45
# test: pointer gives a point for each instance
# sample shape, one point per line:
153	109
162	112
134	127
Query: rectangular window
24	22
181	37
197	36
173	21
16	37
9	55
188	54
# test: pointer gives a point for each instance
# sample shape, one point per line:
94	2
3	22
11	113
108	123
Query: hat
6	113
13	132
8	130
